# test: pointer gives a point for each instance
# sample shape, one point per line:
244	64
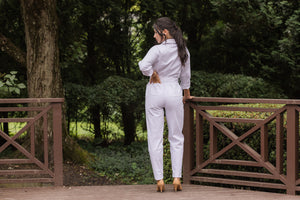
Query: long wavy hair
166	23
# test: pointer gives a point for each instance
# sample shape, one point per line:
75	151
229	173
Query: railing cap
246	100
32	100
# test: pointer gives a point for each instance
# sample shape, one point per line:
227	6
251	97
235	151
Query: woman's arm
146	64
186	95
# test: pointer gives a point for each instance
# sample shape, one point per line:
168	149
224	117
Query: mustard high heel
160	186
177	184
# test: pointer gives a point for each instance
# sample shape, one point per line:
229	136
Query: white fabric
164	59
167	96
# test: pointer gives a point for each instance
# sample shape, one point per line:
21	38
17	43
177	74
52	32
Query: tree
258	38
41	33
42	55
107	38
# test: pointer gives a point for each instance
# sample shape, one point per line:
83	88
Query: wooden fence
216	152
19	162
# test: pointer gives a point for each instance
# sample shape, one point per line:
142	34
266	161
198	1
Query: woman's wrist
154	78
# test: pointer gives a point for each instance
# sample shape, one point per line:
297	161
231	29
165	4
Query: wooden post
292	148
57	144
188	156
279	143
199	139
213	141
264	143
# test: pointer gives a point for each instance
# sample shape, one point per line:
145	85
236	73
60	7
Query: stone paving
137	192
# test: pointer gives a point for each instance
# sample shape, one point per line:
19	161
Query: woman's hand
185	98
186	95
154	78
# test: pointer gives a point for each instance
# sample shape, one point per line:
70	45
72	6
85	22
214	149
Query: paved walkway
137	192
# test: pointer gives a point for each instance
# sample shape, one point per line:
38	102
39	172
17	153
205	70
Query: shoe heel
160	186
177	188
177	185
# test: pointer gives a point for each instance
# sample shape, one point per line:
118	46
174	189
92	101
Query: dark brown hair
166	23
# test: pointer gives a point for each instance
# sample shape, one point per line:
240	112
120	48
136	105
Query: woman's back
164	59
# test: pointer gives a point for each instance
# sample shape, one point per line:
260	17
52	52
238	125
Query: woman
165	64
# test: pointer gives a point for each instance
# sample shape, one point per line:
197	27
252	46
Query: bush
235	86
236	153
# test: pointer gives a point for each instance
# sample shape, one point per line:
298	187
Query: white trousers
168	97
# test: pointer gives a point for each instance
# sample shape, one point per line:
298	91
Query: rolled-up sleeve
185	75
146	64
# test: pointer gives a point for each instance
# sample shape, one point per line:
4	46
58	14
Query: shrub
239	129
229	85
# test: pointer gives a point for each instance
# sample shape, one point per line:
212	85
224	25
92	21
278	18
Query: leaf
13	78
7	76
17	90
21	85
13	72
8	83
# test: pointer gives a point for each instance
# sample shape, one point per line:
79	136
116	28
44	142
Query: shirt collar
169	41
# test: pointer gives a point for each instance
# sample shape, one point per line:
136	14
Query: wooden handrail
40	166
246	100
197	166
31	100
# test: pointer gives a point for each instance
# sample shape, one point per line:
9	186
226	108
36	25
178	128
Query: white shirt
164	59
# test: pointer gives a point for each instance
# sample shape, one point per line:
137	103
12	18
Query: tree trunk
92	68
95	111
43	71
128	124
41	32
4	127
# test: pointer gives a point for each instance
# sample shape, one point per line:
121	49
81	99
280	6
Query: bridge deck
136	192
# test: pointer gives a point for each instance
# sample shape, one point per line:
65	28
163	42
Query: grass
84	130
113	130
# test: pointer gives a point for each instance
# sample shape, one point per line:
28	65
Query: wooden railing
19	162
215	152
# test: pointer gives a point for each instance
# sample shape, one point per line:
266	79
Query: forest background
239	48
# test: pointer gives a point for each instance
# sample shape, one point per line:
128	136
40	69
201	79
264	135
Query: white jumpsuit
167	95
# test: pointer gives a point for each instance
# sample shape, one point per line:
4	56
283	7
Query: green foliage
168	177
109	96
127	164
118	90
114	90
258	38
104	43
235	86
239	129
9	84
12	27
